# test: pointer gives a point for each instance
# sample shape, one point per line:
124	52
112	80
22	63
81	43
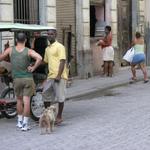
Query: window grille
26	11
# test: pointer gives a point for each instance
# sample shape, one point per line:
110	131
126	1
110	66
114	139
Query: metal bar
32	6
23	12
38	20
33	12
26	11
18	15
15	10
21	18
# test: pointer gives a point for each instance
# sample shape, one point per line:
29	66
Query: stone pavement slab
81	87
120	122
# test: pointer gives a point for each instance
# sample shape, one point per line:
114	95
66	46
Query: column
107	12
114	25
114	21
51	13
84	53
134	5
6	15
147	30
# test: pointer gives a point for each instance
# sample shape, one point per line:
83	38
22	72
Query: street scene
117	119
74	75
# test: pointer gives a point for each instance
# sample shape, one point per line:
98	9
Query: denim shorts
138	58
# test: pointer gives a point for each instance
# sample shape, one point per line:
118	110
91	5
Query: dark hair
53	30
40	45
21	37
108	28
138	34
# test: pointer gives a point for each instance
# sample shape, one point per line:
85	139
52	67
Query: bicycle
36	102
8	100
37	105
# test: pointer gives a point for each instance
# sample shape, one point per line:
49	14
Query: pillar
50	13
6	15
84	53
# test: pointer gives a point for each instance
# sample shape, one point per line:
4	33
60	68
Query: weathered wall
6	15
84	53
147	29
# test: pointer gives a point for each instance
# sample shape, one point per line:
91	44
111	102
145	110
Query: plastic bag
129	55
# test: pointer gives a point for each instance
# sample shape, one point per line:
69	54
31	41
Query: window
26	11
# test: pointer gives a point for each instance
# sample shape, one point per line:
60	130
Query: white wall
6	15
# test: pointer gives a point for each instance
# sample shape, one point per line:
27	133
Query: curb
100	90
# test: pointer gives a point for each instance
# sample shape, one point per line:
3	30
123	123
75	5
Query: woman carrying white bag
129	55
138	57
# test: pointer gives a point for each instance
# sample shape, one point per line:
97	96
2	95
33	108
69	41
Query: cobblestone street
117	121
95	55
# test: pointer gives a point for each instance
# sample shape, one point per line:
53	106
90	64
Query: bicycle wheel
10	108
37	105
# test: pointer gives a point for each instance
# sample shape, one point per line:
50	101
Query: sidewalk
81	87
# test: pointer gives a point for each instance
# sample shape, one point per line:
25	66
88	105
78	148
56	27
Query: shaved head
21	37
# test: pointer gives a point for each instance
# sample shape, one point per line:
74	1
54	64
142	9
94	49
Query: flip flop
145	81
132	80
58	121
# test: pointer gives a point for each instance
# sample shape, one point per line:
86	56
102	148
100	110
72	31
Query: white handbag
129	55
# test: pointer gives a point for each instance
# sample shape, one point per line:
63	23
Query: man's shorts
24	86
54	91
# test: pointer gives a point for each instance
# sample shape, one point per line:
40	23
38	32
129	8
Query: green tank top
139	48
20	61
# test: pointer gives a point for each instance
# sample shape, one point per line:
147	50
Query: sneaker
25	127
19	124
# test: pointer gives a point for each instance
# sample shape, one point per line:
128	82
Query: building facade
80	24
102	13
147	29
28	12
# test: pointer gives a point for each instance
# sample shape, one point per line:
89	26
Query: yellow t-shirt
53	54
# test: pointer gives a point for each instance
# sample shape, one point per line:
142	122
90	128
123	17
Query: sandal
132	80
58	121
145	81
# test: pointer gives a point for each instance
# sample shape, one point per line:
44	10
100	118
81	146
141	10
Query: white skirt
108	53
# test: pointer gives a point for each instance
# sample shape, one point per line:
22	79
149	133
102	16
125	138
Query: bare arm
133	42
38	60
5	54
61	69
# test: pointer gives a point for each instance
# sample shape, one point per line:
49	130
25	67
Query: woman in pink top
108	52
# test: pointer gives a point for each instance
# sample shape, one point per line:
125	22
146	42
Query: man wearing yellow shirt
55	57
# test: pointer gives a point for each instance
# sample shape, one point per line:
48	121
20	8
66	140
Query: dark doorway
92	20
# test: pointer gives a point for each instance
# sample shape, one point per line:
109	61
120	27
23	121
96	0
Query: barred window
26	11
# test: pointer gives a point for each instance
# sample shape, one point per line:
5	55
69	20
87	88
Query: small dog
47	120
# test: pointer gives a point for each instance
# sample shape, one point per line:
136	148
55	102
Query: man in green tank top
22	77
